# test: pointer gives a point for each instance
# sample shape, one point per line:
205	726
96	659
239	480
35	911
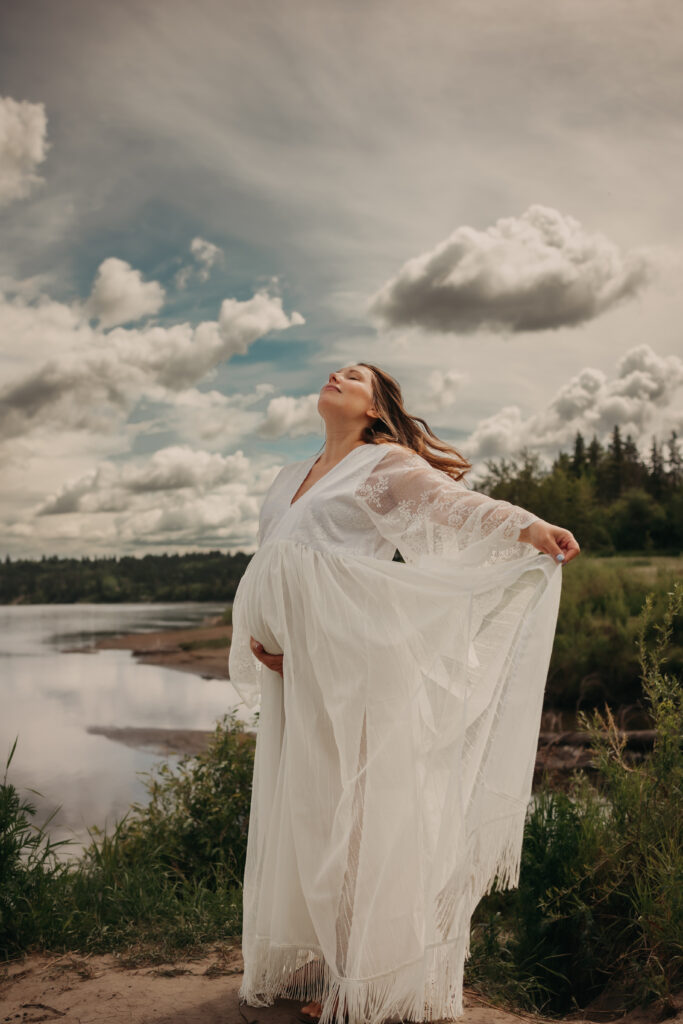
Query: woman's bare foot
313	1010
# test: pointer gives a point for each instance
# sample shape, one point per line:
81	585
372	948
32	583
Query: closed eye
356	376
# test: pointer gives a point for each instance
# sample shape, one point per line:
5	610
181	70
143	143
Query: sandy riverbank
113	989
202	650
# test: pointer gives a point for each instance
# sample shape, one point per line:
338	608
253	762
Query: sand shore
117	988
202	650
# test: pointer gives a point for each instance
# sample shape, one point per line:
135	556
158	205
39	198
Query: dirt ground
109	989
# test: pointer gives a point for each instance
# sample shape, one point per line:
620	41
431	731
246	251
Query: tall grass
599	907
168	874
29	867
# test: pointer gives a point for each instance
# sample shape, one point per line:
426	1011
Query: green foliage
169	873
612	499
594	658
600	899
29	867
196	821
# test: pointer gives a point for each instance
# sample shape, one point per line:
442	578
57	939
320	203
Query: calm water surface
49	699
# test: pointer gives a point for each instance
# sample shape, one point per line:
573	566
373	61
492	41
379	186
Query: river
49	699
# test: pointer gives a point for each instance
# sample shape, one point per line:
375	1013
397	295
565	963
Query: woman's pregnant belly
256	607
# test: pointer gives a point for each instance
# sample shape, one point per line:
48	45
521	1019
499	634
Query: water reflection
49	699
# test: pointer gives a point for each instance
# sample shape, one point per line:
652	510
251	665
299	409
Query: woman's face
348	394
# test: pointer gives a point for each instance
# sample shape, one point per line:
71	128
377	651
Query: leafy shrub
600	899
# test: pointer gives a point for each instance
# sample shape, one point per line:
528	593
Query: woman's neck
336	448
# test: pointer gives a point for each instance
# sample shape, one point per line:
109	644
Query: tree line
198	576
611	498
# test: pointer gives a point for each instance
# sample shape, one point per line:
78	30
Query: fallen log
636	739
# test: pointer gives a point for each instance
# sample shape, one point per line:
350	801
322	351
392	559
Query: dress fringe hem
428	989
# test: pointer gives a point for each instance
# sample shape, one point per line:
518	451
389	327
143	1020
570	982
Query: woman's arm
425	512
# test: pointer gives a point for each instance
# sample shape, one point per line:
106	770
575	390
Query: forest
613	499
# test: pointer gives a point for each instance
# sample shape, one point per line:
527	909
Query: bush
600	898
29	868
594	657
169	873
195	824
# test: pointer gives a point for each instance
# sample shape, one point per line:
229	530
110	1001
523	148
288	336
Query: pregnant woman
400	706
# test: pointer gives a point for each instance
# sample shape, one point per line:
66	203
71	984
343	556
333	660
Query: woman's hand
272	661
552	540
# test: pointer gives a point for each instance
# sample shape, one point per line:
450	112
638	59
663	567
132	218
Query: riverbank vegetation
595	654
167	876
598	909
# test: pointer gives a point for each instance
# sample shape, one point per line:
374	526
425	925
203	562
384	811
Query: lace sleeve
427	513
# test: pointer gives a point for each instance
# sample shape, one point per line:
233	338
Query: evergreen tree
595	454
615	463
657	477
675	460
635	473
578	460
563	461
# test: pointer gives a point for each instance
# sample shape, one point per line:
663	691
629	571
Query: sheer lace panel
425	512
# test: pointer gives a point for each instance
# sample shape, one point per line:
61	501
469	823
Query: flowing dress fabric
394	758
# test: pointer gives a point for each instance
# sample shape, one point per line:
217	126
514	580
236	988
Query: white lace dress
394	759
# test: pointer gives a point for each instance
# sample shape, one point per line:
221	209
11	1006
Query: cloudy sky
206	207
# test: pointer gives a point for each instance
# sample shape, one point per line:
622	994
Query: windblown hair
396	424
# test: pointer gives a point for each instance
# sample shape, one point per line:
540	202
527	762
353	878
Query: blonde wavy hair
396	424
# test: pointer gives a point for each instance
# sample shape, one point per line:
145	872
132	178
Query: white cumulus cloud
444	387
120	296
179	497
87	379
206	256
291	417
643	397
534	272
112	486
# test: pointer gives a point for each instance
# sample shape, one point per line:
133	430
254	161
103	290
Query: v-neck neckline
292	503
